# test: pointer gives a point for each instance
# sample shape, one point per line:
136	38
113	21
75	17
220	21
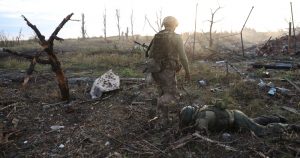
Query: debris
214	142
292	83
11	105
283	66
292	110
226	137
153	119
181	142
107	82
266	74
217	89
115	155
15	122
138	103
220	62
132	79
282	90
25	142
202	82
54	104
275	46
61	146
107	143
55	128
271	85
261	84
272	91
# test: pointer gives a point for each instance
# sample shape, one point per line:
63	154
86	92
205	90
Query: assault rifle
145	47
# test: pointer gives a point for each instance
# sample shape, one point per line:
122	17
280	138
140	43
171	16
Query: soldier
165	59
214	118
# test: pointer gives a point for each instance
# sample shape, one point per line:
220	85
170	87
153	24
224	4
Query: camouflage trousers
168	92
261	126
166	81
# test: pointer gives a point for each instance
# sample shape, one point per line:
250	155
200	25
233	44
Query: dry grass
90	124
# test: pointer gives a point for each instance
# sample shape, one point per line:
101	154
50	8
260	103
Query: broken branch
182	142
54	34
38	33
214	142
55	64
38	60
292	83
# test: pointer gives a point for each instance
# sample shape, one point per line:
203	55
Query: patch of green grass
245	91
13	63
81	60
128	72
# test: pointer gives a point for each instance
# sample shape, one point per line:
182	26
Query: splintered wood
52	58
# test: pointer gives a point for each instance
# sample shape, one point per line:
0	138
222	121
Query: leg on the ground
243	121
265	120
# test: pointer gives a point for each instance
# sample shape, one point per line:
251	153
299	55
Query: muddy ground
117	124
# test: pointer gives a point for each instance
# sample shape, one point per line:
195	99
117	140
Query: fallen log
282	66
29	57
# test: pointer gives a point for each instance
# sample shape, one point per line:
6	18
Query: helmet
186	115
170	21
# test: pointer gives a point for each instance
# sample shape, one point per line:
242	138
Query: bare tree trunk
211	25
83	31
295	46
289	39
18	38
210	34
118	22
146	19
104	23
195	31
131	21
126	33
159	20
52	59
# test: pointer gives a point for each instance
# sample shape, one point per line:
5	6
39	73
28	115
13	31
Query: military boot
265	120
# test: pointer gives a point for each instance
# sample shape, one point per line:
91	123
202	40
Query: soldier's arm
182	56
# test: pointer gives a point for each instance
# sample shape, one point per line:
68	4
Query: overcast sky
267	15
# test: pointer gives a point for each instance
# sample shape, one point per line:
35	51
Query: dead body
212	118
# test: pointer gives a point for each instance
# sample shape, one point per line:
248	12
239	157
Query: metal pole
195	30
243	29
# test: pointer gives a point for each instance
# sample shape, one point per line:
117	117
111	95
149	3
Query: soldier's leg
243	121
157	77
280	128
168	81
264	120
276	128
165	102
